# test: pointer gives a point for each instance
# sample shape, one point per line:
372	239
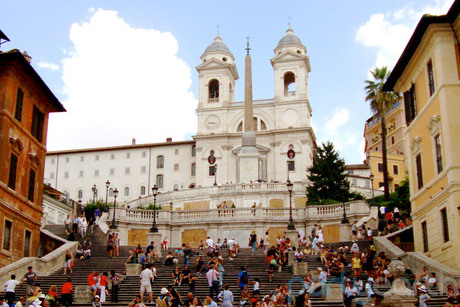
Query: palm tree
381	102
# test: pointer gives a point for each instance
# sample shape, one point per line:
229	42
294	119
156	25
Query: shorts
256	292
146	288
29	288
67	264
93	288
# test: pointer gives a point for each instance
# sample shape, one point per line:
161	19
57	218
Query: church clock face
212	122
290	117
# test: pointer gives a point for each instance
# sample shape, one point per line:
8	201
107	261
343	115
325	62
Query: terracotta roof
356	166
415	40
16	56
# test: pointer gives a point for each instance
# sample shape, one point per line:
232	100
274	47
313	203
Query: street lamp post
215	174
94	188
344	220
107	185
115	194
154	228
290	186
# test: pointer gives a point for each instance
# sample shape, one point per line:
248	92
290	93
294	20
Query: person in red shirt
92	282
103	284
66	293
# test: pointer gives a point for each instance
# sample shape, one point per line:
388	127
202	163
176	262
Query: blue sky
126	69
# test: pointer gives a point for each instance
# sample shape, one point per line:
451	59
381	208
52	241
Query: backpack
245	278
161	302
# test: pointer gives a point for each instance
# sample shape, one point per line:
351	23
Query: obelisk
249	155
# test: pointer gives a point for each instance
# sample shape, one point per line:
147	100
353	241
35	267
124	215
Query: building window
175	187
194	151
97	158
67	160
193	170
159	181
111	192
418	167
51	175
66	175
425	237
27	237
112	171
80	194
126	191
380	167
289	84
354	182
112	157
31	191
142	190
213	89
437	144
410	106
160	162
82	158
395	170
81	174
52	161
144	154
18	110
96	173
291	166
430	77
176	167
445	225
127	170
7	235
176	151
143	169
392	140
350	172
212	170
13	171
128	155
38	119
368	184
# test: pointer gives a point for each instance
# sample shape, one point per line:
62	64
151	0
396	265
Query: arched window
259	124
80	194
111	192
193	170
176	187
213	89
159	181
126	191
289	84
160	161
240	127
194	151
263	126
142	190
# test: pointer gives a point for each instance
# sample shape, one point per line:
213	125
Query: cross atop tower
218	27
289	22
247	46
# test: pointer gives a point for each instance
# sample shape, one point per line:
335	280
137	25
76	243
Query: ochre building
25	102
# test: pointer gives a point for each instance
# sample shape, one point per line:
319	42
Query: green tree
399	198
327	176
381	102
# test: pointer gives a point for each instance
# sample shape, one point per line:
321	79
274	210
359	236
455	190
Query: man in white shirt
231	246
10	286
209	242
321	281
298	256
68	223
146	278
382	210
213	281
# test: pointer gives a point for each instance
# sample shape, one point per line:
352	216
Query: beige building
395	146
428	73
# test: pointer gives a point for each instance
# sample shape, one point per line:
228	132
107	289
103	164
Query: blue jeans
254	245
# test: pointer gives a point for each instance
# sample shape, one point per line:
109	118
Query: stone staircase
129	287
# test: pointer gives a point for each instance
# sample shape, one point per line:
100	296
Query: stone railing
416	260
125	215
43	266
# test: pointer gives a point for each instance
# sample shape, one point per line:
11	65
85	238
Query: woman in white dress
319	233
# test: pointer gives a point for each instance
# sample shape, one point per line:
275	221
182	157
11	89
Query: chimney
168	140
133	141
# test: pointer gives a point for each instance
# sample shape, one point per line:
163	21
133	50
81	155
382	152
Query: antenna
247	48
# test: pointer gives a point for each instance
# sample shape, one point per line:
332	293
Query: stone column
156	238
399	295
292	235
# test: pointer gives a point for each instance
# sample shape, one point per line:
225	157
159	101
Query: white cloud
47	65
122	82
390	32
339	118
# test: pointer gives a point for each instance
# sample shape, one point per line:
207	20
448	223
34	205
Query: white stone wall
54	212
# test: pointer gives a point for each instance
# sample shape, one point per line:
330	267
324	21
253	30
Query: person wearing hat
163	299
369	290
424	297
350	293
97	301
266	301
376	300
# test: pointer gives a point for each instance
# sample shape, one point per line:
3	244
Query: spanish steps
129	286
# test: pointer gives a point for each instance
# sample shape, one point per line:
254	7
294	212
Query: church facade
281	135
